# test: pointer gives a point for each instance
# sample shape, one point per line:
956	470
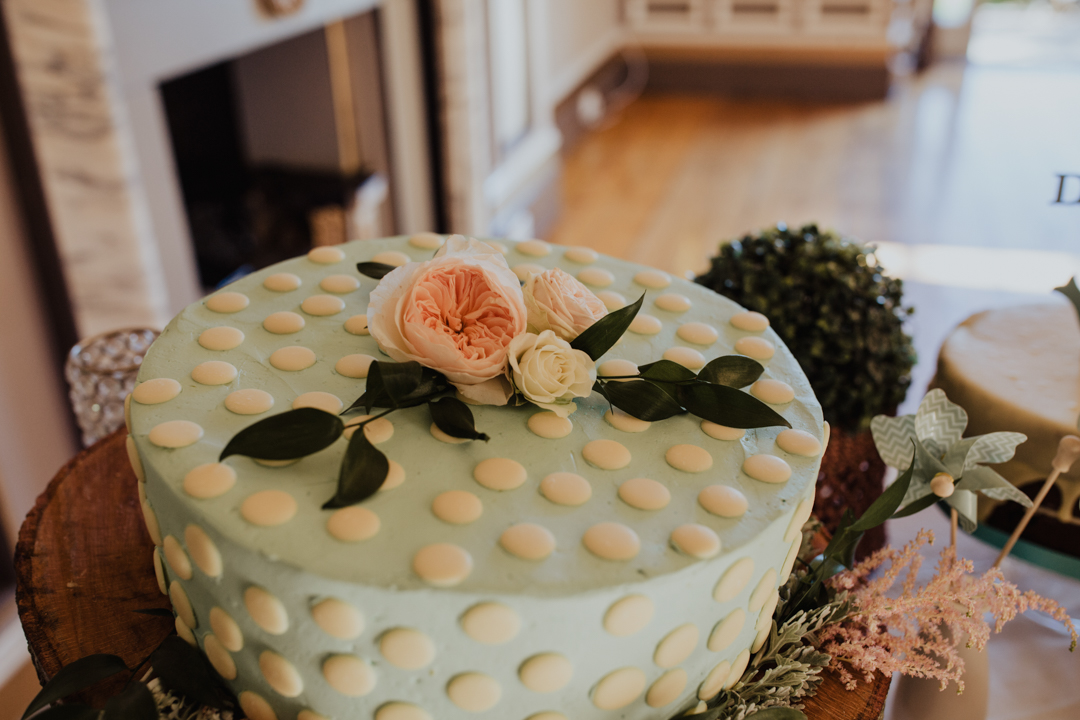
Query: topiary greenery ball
828	299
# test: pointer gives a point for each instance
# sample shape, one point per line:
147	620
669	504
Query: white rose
550	373
557	301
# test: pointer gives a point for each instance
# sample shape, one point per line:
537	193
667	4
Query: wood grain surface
84	566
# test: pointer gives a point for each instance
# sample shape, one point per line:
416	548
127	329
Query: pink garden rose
455	314
556	301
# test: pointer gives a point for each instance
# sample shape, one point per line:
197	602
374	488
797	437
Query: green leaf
396	385
363	471
1072	292
136	702
883	508
290	435
69	711
375	270
841	549
666	371
76	676
605	332
186	672
916	506
455	419
777	713
157	612
640	399
734	371
727	406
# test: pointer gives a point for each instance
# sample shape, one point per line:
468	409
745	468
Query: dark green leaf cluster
829	300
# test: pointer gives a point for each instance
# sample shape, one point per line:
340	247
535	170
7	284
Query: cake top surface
515	515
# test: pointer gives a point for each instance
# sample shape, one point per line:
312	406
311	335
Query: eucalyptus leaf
69	711
727	406
455	419
916	506
666	371
599	337
287	436
735	371
375	270
136	702
887	503
186	672
76	676
777	713
641	399
363	471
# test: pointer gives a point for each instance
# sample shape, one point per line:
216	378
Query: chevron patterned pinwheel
933	439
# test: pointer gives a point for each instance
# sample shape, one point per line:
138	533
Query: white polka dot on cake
151	521
159	573
175	434
714	681
789	561
676	646
209	481
616	368
226	630
491	623
391	257
727	630
426	240
765	617
619	420
496	246
673	302
283	323
353	524
547	715
606	454
280	674
354	366
265	610
549	425
755	347
566	488
528	541
457	507
734	580
750	321
721	432
214	372
227	303
765	586
442	564
282	282
524	270
219	657
395	476
221	338
767	468
687	357
619	688
438	434
798	442
738	667
644	324
325	255
320	401
293	358
723	501
185	632
251	401
156	391
310	715
338	618
653	279
546	672
182	605
349	675
612	541
597	277
774	392
612	300
798	519
203	551
667	688
377	430
696	541
407	648
500	474
322	305
357	325
178	560
339	284
533	248
698	333
581	255
255	707
629	615
268	508
644	494
474	692
134	459
688	458
398	711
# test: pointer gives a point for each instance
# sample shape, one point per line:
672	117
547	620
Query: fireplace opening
282	149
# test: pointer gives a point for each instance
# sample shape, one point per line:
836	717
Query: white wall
580	37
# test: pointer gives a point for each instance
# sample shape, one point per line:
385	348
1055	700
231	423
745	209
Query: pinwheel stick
1067	453
954	520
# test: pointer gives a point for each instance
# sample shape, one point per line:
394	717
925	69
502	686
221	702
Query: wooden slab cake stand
84	566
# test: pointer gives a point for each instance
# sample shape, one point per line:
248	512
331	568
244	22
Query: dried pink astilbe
917	632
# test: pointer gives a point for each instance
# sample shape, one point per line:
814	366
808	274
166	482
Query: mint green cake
595	568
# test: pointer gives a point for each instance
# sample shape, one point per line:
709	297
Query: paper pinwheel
935	433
